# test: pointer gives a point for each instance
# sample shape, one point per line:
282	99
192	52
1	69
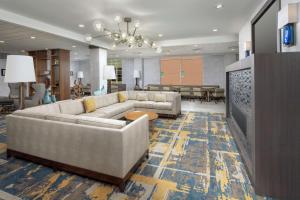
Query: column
98	59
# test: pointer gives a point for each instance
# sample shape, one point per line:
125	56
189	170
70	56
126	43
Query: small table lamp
80	76
19	69
136	75
247	48
109	74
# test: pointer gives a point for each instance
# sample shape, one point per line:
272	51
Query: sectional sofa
97	144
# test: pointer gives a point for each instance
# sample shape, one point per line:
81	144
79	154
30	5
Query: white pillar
98	59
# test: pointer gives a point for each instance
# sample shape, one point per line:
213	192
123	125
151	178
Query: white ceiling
17	39
173	18
177	20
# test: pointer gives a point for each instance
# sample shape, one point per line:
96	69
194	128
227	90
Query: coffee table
131	116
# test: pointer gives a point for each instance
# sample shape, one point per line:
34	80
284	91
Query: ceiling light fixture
215	30
81	25
219	6
128	37
1	41
32	37
74	46
160	35
88	38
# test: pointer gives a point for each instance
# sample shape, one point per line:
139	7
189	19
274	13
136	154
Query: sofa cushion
142	96
99	122
144	104
116	109
95	114
27	113
62	118
122	96
160	97
49	108
73	107
89	104
106	100
132	95
162	105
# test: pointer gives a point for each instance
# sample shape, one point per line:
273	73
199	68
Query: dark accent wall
270	148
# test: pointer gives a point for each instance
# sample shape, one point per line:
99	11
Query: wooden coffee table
131	116
137	114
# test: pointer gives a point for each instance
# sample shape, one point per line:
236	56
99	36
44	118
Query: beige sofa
96	145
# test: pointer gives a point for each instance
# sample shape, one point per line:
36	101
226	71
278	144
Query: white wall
151	71
127	73
214	69
84	66
297	46
245	32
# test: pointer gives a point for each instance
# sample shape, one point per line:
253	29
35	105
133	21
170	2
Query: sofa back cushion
160	97
72	107
106	100
28	113
142	96
49	108
62	118
100	122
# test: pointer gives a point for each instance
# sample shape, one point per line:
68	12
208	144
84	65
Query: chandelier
128	37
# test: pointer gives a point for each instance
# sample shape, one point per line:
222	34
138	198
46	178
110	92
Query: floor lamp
109	74
136	75
20	69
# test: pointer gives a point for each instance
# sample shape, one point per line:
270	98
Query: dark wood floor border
119	182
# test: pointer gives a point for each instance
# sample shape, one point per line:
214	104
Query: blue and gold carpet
193	157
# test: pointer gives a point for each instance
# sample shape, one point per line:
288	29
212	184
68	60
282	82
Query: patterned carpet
193	157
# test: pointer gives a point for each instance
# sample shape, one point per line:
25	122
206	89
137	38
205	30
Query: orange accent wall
182	71
170	72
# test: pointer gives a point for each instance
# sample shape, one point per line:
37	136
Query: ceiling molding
199	40
48	28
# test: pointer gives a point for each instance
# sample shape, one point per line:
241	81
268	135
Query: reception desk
263	114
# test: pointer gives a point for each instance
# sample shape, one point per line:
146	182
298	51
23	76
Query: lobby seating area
189	92
148	100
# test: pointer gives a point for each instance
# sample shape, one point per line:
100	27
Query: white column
98	59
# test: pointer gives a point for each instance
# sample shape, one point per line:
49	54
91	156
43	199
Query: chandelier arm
135	29
98	36
119	28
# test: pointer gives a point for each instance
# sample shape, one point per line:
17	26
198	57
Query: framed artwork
2	72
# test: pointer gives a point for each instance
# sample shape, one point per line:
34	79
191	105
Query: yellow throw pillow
122	98
89	104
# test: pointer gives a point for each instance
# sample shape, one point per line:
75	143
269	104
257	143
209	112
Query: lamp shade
136	74
109	72
19	69
247	46
80	74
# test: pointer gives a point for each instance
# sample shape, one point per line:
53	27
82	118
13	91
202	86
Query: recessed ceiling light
23	51
1	41
160	35
219	6
81	25
215	30
32	37
195	45
74	46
